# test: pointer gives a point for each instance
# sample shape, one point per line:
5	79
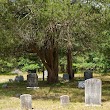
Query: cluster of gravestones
92	89
92	95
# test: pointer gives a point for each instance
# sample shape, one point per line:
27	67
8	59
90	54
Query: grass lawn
47	97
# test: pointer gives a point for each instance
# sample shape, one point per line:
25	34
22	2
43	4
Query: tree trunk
69	63
53	66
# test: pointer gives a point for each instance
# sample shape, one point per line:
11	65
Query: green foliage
7	65
82	27
26	64
30	67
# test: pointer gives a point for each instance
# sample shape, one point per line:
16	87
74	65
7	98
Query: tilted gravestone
64	100
88	74
26	102
66	76
93	91
32	80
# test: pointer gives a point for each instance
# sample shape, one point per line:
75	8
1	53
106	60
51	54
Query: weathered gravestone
64	100
17	71
19	78
26	102
46	73
5	86
88	74
81	84
32	80
66	76
93	91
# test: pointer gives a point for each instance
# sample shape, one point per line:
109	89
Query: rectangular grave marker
93	91
32	80
26	102
64	100
66	76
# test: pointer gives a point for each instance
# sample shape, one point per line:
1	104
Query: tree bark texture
69	63
49	58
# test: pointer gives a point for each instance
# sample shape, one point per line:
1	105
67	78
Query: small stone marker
26	102
46	73
32	80
66	76
93	91
19	78
88	74
81	84
64	100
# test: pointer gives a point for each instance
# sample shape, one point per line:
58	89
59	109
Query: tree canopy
46	26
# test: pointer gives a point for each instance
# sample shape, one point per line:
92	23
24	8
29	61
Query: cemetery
54	54
60	96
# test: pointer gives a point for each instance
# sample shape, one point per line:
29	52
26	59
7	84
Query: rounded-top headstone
26	102
88	74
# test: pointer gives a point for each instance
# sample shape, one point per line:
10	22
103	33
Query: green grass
47	97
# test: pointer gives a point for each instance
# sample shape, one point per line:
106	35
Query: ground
47	97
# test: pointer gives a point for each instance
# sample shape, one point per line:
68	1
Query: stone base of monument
32	87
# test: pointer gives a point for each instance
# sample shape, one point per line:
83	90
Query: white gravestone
93	91
46	73
26	102
81	84
64	100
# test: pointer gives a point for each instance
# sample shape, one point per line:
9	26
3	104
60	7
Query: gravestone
46	73
26	102
64	100
81	84
66	76
93	91
88	74
19	78
32	80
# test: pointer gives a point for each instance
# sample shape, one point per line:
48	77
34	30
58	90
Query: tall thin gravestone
26	102
93	91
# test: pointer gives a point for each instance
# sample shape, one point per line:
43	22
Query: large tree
43	27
